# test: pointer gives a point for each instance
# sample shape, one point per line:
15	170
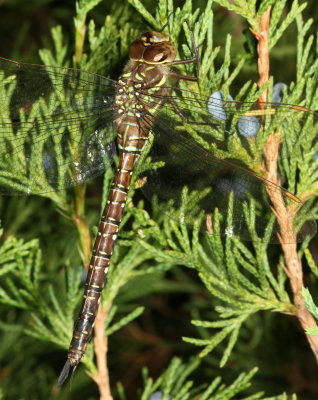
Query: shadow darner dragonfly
58	129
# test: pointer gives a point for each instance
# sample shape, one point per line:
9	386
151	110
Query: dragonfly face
152	48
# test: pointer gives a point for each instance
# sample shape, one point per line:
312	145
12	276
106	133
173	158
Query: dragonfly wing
75	90
56	127
190	182
241	128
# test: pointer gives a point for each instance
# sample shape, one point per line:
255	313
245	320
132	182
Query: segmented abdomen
133	126
105	241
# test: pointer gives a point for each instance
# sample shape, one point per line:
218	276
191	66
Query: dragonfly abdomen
104	243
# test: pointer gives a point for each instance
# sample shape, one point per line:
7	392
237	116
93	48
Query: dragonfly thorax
152	48
140	90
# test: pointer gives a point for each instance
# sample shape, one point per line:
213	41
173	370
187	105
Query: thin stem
263	61
80	33
79	220
283	213
288	241
100	349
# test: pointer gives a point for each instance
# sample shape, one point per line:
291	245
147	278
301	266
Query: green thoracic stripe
130	123
130	148
138	138
160	83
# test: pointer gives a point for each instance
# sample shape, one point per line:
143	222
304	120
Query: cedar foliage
225	297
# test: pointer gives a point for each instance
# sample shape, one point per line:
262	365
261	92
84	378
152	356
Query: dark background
25	28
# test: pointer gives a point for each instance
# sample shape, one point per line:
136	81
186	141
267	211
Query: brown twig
263	52
284	214
100	349
100	340
80	222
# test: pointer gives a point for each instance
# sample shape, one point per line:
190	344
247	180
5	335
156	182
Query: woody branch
283	212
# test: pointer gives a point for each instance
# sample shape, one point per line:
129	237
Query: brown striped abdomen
133	131
100	260
107	235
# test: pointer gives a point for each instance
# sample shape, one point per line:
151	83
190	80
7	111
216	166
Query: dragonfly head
152	48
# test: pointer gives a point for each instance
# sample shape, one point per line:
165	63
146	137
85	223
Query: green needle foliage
174	384
213	301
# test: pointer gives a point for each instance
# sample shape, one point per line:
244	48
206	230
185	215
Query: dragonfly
60	127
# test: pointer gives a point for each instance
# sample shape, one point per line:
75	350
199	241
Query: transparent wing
190	183
238	129
55	127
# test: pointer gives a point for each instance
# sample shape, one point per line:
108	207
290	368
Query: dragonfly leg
184	118
174	74
195	59
186	61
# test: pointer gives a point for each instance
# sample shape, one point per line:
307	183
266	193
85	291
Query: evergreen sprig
174	383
